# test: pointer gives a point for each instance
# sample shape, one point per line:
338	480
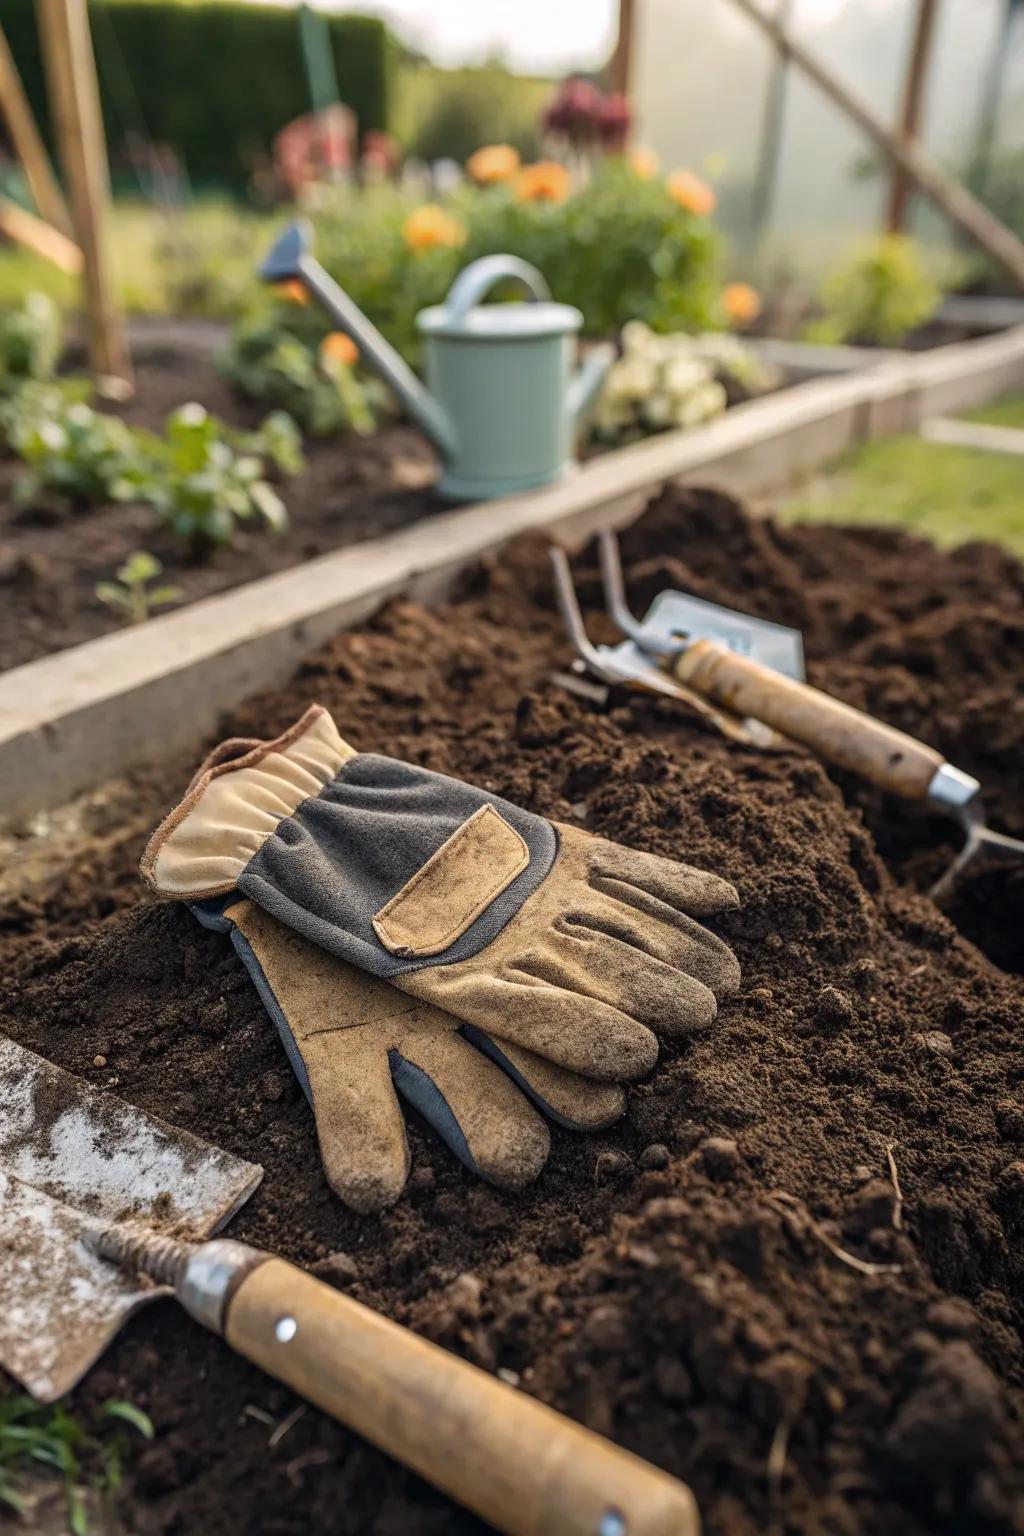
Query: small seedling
131	595
36	1436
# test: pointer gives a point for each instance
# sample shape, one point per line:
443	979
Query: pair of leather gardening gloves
415	938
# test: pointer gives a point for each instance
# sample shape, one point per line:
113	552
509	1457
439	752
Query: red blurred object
587	118
575	111
614	121
315	147
380	155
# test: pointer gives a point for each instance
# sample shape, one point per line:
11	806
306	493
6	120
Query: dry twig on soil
789	1205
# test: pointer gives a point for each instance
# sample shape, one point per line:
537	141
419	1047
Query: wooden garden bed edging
72	719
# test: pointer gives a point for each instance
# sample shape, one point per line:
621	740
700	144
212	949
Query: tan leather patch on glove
454	886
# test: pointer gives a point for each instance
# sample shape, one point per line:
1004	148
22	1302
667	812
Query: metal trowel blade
675	615
71	1156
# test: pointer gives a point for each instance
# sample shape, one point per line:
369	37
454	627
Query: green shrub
619	249
460	109
879	294
216	80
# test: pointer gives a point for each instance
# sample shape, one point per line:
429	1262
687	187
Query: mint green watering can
503	398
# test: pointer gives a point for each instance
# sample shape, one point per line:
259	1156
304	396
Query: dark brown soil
727	1282
352	488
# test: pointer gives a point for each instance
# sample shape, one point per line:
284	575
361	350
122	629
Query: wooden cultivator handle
841	735
512	1460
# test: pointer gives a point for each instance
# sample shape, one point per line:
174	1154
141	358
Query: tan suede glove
357	1045
549	938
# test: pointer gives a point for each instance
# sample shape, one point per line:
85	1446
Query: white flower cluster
661	382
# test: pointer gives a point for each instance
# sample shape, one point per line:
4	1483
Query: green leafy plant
74	455
277	358
131	594
202	479
879	294
37	1436
30	342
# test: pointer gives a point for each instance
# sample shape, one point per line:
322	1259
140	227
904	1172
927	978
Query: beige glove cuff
234	803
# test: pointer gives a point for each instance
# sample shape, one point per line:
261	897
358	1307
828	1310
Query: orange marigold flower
545	182
429	226
336	347
741	303
691	192
293	290
643	163
493	163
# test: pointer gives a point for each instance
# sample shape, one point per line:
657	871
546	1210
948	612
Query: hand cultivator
103	1209
747	675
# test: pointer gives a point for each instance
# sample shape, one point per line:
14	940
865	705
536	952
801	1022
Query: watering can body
503	398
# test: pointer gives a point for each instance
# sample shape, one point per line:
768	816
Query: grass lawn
950	495
199	262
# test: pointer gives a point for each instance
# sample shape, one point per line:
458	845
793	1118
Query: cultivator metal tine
614	583
621	664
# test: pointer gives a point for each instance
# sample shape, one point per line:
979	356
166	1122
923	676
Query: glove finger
358	1120
477	1111
650	925
578	1103
661	996
531	1006
690	890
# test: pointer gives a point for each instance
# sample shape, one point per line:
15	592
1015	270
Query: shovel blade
70	1158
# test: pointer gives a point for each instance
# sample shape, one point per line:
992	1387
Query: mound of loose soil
351	489
730	1282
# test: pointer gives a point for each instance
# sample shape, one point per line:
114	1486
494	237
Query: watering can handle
480	276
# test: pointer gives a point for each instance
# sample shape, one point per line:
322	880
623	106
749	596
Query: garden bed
352	488
674	1282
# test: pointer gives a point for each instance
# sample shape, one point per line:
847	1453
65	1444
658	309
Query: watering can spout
585	385
290	257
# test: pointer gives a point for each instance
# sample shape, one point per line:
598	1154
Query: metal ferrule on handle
843	736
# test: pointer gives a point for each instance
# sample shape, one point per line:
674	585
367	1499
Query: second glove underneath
358	1046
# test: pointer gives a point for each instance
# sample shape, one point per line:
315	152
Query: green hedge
216	81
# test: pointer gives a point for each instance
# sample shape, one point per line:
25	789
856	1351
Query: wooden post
772	123
622	58
27	144
75	105
954	200
913	104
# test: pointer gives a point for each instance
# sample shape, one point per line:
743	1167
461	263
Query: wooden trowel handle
512	1460
841	735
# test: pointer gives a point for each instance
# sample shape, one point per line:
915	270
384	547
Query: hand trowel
104	1208
747	674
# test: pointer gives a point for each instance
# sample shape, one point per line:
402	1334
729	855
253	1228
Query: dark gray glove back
344	854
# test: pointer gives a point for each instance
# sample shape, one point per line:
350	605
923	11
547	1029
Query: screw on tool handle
846	737
510	1459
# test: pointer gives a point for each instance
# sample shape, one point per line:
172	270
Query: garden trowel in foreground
748	673
104	1208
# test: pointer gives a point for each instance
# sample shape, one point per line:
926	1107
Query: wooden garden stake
28	145
36	235
953	199
75	105
913	103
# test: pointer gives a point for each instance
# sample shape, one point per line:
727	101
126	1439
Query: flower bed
675	1282
351	488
